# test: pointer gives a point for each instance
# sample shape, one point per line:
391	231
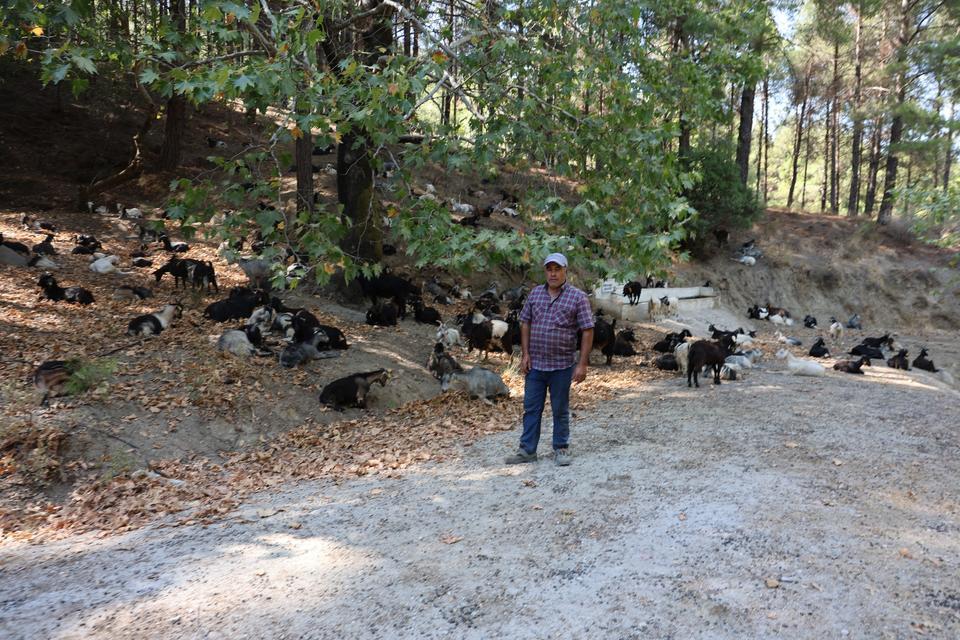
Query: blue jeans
534	396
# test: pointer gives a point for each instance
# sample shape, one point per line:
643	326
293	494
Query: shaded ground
774	505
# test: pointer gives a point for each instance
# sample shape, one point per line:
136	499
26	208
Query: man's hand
525	364
580	373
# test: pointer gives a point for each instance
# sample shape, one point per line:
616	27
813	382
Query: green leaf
148	76
242	82
83	63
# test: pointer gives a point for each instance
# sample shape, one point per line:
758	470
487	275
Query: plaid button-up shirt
554	324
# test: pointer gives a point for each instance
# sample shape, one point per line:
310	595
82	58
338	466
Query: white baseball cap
559	258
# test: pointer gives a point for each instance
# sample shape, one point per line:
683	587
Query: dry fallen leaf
295	525
682	516
529	483
837	461
905	553
450	539
791	445
772	583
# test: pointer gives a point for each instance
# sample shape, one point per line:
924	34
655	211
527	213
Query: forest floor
192	494
804	507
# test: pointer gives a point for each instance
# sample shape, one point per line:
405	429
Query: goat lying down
352	391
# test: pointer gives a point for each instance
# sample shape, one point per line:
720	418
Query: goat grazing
153	324
53	291
352	391
799	367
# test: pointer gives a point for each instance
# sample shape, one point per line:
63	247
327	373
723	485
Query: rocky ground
803	507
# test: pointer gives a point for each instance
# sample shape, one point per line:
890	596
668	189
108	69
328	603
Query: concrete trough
608	297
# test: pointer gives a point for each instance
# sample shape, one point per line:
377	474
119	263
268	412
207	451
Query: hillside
182	429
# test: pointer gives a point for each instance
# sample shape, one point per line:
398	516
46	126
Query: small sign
608	287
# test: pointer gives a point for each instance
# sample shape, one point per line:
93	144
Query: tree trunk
896	128
948	159
766	136
873	169
354	164
798	141
745	131
176	105
304	162
853	201
835	132
806	162
825	185
760	146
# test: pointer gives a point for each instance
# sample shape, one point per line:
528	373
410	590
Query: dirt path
809	507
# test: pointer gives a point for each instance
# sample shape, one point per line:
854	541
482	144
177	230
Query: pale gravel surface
679	506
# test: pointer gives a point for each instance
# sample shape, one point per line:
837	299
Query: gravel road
798	507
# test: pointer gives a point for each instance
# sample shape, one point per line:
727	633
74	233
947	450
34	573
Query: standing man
548	332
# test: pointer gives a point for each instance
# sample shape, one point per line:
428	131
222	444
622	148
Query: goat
383	314
704	353
922	362
352	391
45	248
604	337
154	323
800	367
262	319
851	366
389	286
258	272
106	264
632	291
671	340
745	260
854	322
738	361
478	382
52	378
242	342
448	336
819	350
899	361
479	332
32	224
836	329
177	268
425	315
238	306
884	340
53	291
295	354
809	322
141	262
130	292
175	247
87	242
867	352
16	247
441	363
667	362
682	355
623	345
793	342
202	275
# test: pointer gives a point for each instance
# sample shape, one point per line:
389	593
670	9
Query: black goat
667	362
704	353
632	291
306	326
809	322
388	286
623	345
53	291
238	306
441	363
478	331
921	362
604	337
202	275
174	247
352	391
426	315
818	350
153	324
899	361
670	341
383	314
45	248
884	340
867	352
852	366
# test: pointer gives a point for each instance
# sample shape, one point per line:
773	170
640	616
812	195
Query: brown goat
852	366
703	353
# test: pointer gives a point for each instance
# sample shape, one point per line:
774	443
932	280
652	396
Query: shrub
721	200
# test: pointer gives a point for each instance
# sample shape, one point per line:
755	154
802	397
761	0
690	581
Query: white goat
836	329
682	355
448	336
800	367
106	264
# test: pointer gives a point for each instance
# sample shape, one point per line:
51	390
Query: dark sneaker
521	456
561	457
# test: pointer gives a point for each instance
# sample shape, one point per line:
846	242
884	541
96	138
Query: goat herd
269	326
729	353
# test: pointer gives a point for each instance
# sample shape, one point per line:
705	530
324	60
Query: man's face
556	275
